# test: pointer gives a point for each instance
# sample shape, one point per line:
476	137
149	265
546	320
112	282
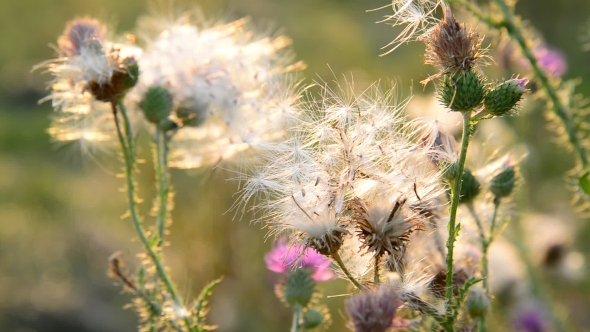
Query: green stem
129	158
559	107
162	177
455	197
296	317
340	263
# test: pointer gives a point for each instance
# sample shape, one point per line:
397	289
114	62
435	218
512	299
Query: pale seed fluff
230	88
344	147
83	73
416	17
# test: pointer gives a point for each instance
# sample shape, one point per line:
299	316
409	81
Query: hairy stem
338	260
126	142
162	178
455	197
559	106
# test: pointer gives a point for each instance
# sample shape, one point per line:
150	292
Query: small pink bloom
284	257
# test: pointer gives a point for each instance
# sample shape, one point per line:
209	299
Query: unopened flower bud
502	184
470	187
131	72
312	318
505	97
156	104
299	287
462	91
477	303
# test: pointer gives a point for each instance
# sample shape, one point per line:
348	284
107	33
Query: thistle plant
352	186
201	92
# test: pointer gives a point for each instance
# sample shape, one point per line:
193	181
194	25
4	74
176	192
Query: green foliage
201	304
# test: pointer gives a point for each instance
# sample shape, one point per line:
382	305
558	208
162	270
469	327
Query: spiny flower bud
299	288
505	97
502	184
312	318
462	91
131	76
156	104
477	303
373	310
470	187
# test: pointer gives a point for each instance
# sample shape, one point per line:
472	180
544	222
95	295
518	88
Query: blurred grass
60	212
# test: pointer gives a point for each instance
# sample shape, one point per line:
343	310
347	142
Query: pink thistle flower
552	61
284	257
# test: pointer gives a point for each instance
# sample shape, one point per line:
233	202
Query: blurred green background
60	212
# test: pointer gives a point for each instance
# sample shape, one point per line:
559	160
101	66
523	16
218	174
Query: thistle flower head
81	34
453	47
343	146
229	87
552	61
383	224
373	310
89	70
284	257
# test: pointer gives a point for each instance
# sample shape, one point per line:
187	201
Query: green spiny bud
462	91
131	72
505	97
470	187
477	303
299	288
312	318
450	171
156	104
502	184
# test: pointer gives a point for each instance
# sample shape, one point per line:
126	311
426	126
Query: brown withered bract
453	47
383	238
109	91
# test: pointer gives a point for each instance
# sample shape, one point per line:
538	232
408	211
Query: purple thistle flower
284	257
530	319
551	60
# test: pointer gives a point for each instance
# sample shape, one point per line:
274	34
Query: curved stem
455	197
296	316
162	178
559	106
340	263
129	158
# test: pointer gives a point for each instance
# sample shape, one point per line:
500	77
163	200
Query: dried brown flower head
383	228
453	47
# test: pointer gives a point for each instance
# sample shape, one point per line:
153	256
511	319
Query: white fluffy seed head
343	145
86	59
234	80
415	16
